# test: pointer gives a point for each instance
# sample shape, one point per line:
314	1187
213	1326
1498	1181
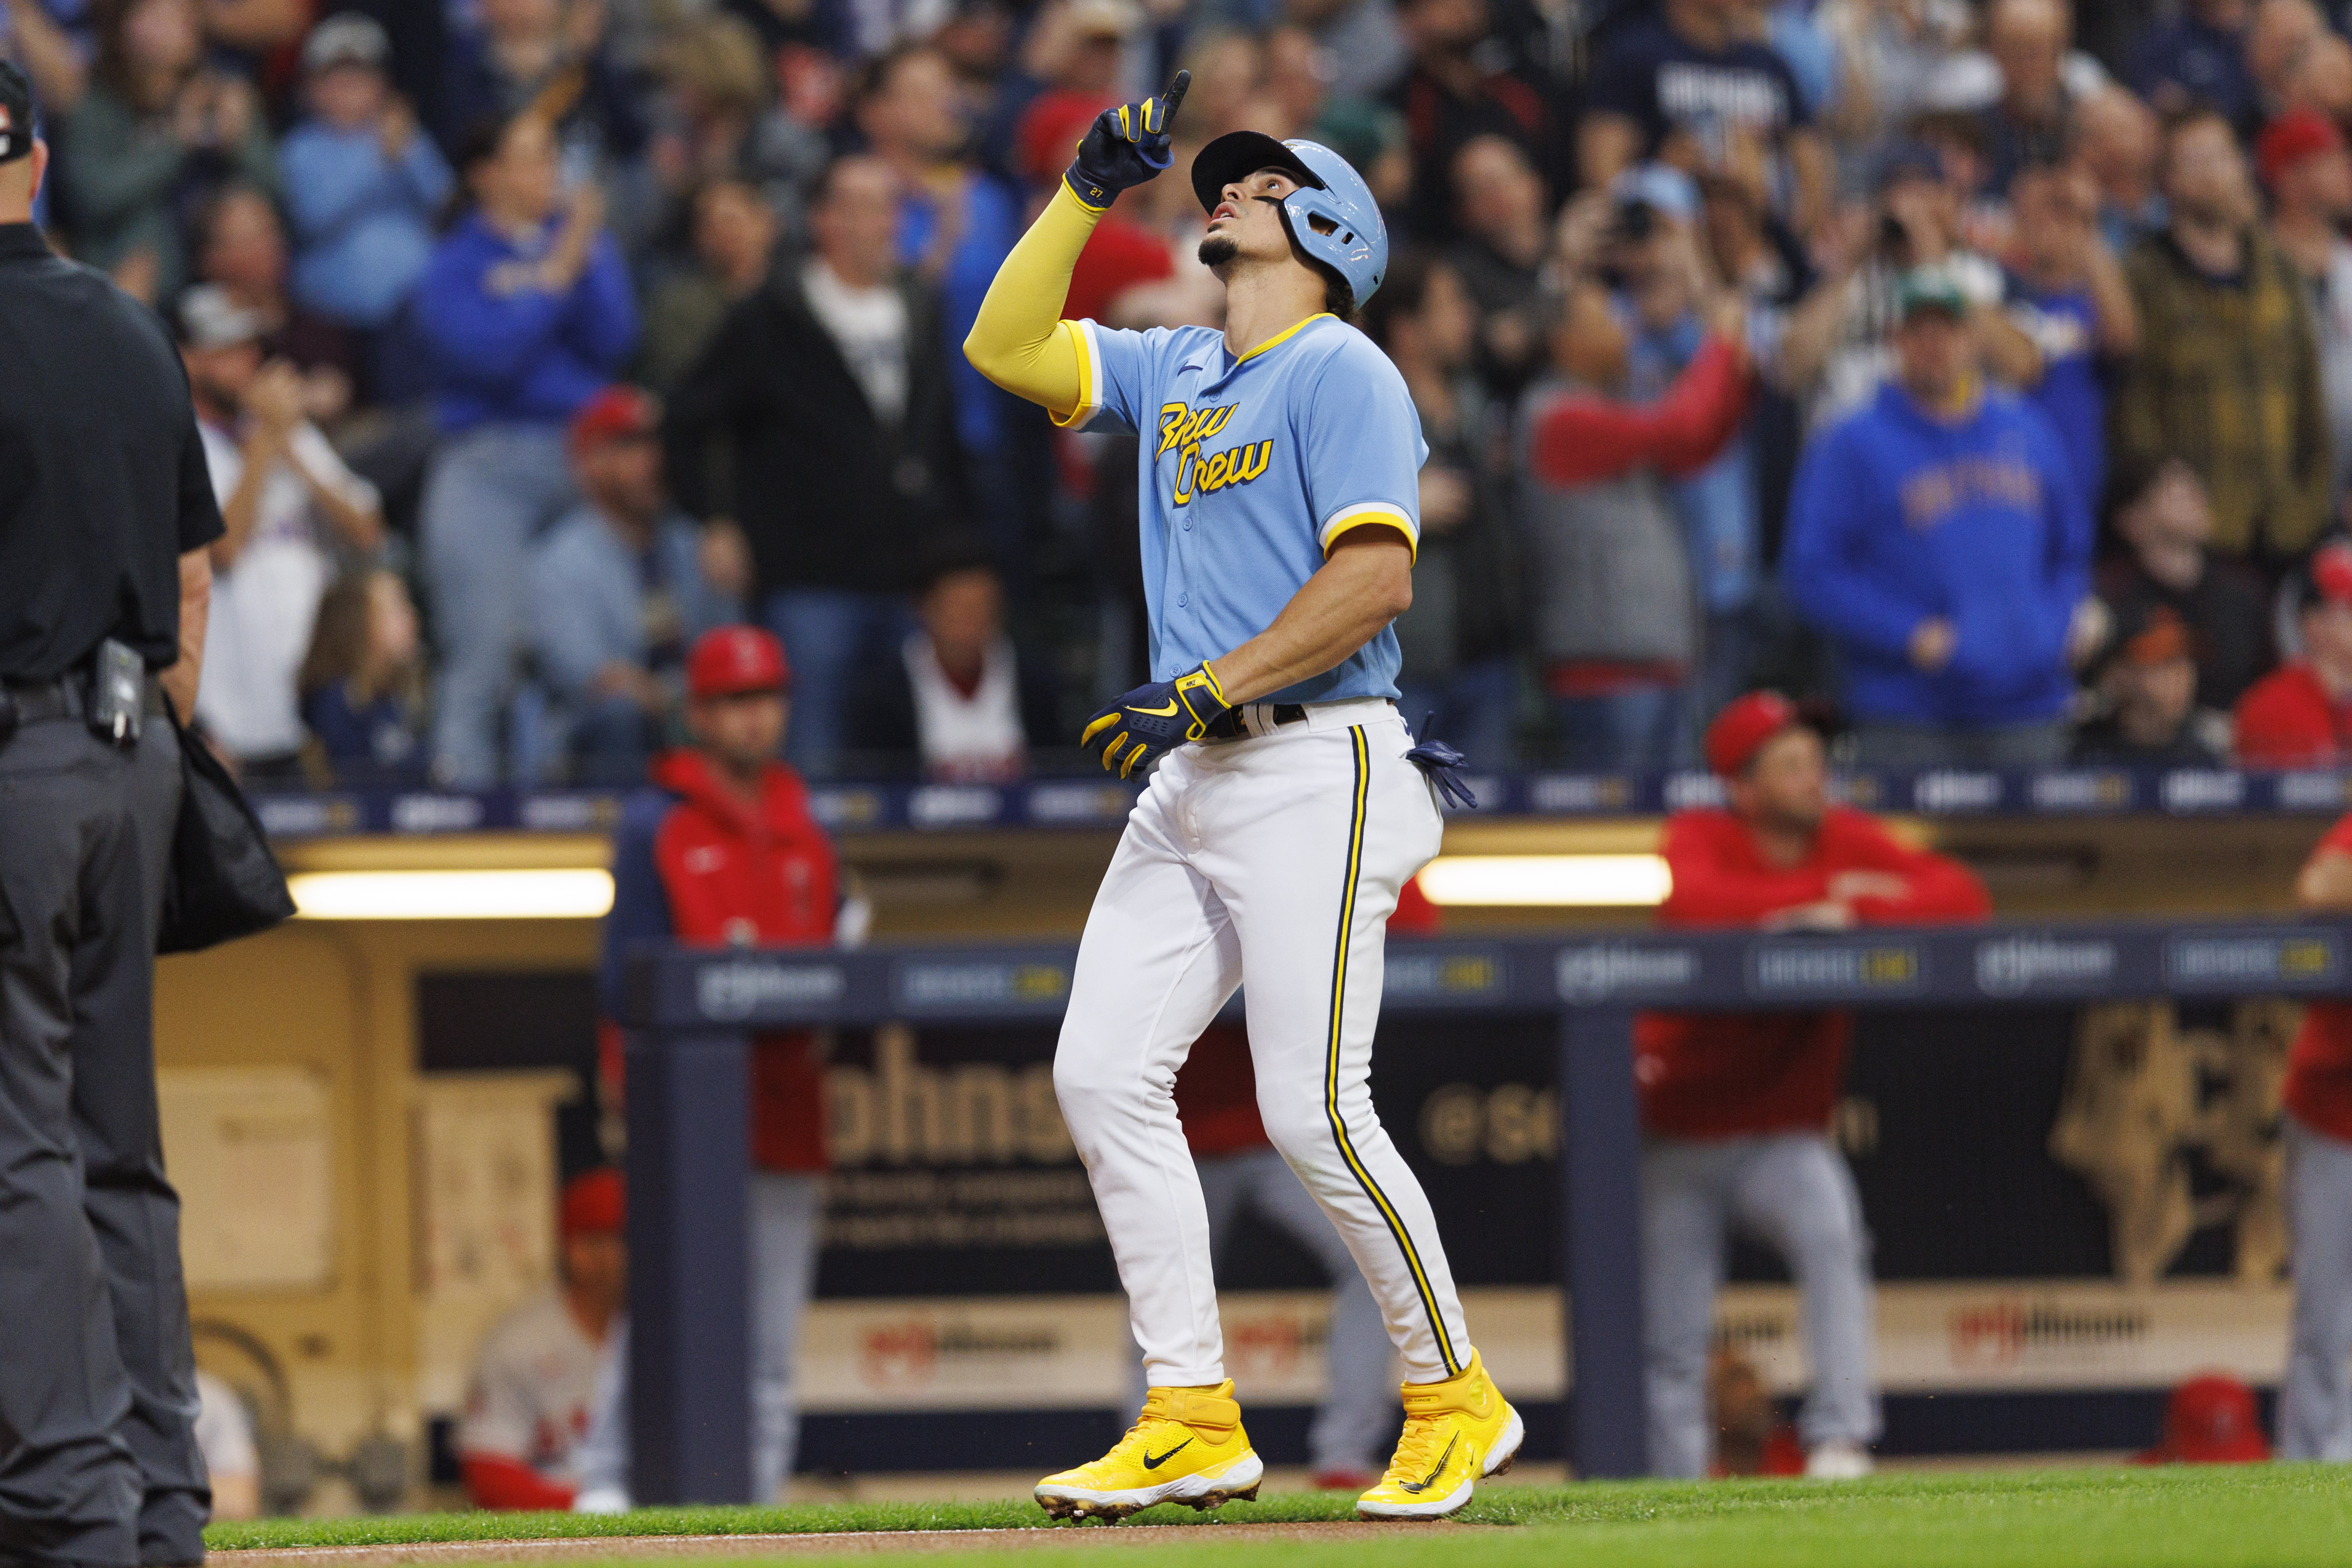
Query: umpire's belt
67	697
1235	724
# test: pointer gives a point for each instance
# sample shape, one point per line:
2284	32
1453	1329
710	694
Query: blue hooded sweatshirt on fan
1898	517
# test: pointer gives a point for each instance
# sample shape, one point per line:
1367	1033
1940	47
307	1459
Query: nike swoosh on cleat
1167	712
1430	1480
1151	1464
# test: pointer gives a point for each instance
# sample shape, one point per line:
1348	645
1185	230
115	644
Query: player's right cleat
1187	1447
1457	1433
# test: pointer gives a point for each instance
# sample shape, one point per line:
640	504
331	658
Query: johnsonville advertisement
2129	1142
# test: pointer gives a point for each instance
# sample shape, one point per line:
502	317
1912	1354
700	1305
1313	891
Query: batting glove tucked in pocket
1441	766
1153	720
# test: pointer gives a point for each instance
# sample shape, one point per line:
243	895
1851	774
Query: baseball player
1279	506
2314	1407
1736	1106
535	1381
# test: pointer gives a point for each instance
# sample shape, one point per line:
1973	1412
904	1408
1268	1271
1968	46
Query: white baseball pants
1277	859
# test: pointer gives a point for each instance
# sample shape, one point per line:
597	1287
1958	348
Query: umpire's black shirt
102	476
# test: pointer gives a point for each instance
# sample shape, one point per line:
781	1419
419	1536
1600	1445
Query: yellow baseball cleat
1456	1433
1187	1447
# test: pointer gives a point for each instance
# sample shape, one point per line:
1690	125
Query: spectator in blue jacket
619	589
363	184
1938	538
527	313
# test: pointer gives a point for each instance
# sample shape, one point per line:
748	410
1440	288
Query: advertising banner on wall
2127	1141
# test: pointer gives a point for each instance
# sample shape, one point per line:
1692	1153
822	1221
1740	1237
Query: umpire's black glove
1125	146
1155	719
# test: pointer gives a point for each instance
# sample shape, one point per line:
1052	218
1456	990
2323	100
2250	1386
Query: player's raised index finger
1174	99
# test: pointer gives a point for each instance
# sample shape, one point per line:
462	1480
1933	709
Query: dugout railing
690	1014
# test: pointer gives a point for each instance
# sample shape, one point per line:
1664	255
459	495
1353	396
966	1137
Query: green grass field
2268	1515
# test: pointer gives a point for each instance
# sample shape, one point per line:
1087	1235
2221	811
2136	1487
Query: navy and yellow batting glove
1153	720
1125	146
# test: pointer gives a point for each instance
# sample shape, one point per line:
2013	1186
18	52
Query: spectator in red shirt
2314	1416
535	1379
1736	1106
722	851
2300	715
1216	1098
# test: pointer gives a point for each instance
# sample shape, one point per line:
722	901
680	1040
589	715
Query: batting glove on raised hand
1125	146
1153	720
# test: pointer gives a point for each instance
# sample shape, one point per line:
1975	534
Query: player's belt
1231	726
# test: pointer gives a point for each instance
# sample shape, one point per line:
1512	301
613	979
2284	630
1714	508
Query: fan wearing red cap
1736	1108
722	850
534	1381
2300	715
2314	1414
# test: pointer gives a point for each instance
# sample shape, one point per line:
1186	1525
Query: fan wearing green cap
1279	498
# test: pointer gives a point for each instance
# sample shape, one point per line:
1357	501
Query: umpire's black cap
15	112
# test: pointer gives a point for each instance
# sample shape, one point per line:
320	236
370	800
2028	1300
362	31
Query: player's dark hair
1337	298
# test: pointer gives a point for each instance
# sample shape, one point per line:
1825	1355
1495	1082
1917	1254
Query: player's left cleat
1457	1433
1187	1447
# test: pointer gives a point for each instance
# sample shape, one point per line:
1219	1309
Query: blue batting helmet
1331	216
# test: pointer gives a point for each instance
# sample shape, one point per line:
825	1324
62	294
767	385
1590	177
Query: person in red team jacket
2315	1414
2300	715
722	851
1736	1106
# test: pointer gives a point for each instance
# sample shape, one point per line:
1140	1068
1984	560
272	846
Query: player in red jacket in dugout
722	851
1736	1106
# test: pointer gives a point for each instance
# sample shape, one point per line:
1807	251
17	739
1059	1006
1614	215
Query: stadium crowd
1982	373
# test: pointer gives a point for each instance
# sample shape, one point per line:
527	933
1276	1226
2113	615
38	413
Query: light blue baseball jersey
1250	468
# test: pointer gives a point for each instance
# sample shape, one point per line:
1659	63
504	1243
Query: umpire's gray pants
787	1216
2314	1416
97	1399
1362	1407
1793	1191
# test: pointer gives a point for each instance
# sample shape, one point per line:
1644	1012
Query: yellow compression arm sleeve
1019	340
